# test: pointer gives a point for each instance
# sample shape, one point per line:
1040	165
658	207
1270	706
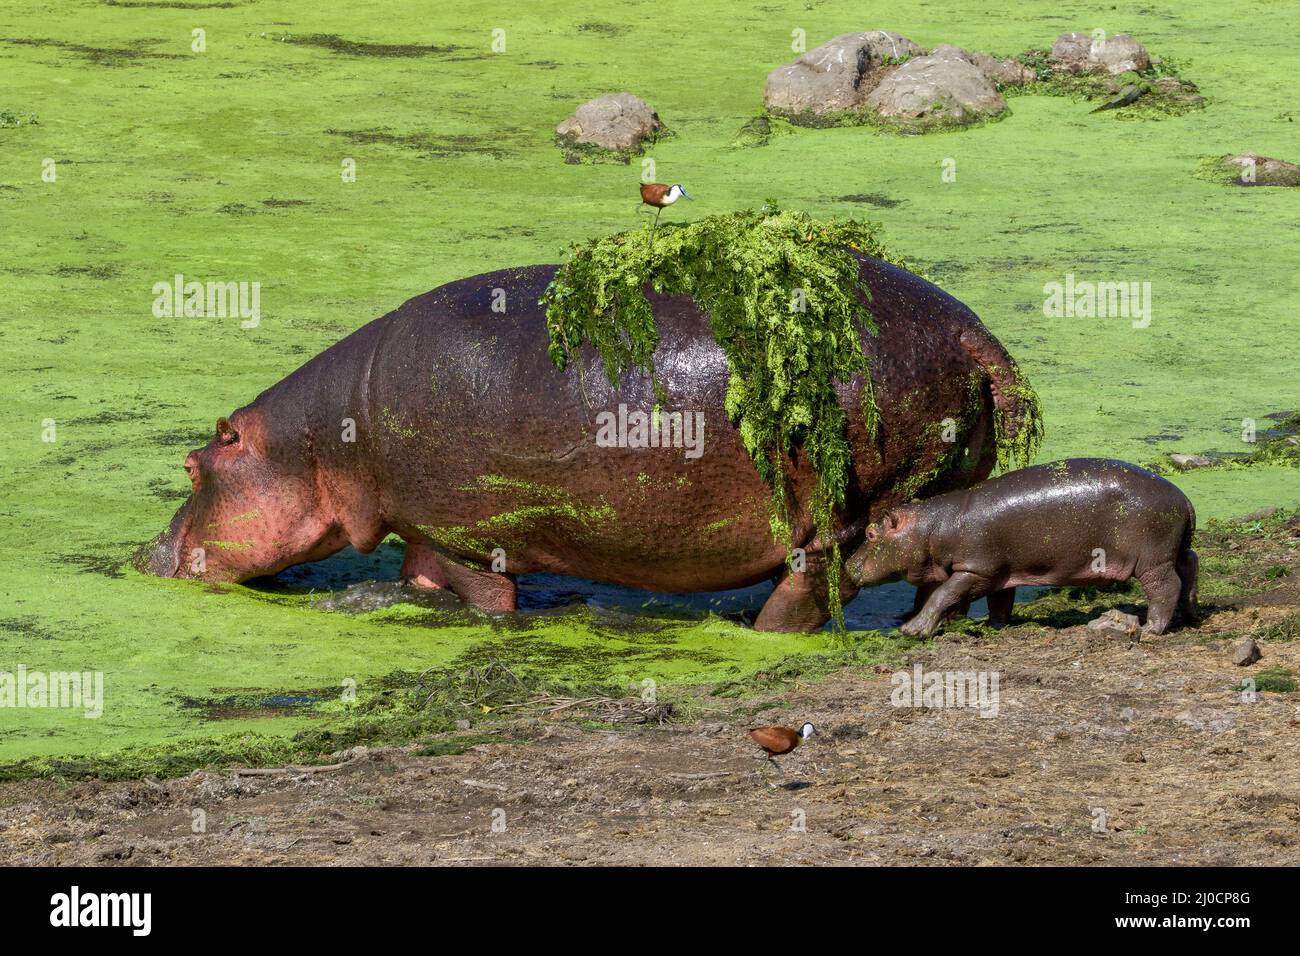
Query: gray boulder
1245	652
1251	169
1080	53
942	88
1008	72
617	121
1116	623
836	76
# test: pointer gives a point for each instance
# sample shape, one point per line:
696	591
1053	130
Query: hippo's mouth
162	555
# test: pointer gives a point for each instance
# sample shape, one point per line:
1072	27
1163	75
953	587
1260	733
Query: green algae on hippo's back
786	303
743	269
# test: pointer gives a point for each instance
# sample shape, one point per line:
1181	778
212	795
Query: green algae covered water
128	158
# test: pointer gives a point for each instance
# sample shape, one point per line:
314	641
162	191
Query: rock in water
617	121
834	77
1007	72
1188	462
940	89
1251	169
1082	53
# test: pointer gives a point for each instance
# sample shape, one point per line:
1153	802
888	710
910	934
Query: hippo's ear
226	434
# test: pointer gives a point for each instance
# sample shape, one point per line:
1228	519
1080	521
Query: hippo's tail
1017	415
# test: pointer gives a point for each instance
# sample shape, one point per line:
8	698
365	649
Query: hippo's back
1092	506
479	442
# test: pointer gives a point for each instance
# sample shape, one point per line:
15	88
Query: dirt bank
1154	736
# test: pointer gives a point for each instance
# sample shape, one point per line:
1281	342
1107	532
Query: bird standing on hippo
446	423
1084	521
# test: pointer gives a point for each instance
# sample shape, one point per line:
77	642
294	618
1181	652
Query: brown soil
1155	735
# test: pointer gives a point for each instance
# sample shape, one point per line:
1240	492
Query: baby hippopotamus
1083	521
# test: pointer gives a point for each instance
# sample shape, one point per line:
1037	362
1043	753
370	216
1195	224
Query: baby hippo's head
889	548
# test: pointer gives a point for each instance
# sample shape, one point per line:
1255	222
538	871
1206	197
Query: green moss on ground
1276	680
444	711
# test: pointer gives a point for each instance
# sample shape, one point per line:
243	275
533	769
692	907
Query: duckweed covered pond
227	165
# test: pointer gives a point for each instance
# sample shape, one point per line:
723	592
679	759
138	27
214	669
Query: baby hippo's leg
1162	588
962	586
1000	604
923	592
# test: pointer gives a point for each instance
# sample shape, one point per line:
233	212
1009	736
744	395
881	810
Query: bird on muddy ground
780	740
661	196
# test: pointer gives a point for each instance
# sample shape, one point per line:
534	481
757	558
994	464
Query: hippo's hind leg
1000	605
1187	566
1162	587
800	601
486	590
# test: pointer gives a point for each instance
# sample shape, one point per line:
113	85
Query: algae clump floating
787	305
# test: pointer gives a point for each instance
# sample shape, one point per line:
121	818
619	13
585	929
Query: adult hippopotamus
1084	521
446	423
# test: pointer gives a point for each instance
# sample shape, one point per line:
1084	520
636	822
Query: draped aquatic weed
786	304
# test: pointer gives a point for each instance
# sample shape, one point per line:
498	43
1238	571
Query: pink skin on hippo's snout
253	510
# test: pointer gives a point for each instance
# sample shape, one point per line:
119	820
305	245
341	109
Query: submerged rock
1188	462
1004	72
1081	53
1251	169
616	121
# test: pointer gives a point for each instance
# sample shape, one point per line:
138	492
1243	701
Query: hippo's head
254	508
889	549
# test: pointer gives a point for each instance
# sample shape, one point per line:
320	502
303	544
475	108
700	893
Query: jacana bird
659	196
780	740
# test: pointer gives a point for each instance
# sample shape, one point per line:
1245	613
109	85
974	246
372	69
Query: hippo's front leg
960	587
486	590
923	592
